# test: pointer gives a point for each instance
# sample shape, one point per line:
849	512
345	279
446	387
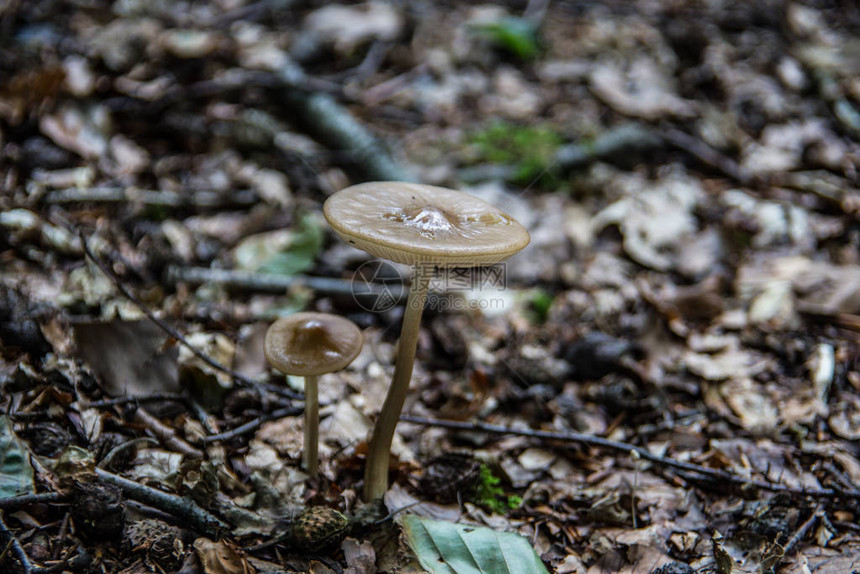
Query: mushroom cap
312	343
412	223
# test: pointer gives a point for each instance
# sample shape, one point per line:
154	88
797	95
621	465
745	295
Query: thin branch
176	334
182	508
591	440
707	155
154	397
804	529
166	434
254	424
17	549
16	502
64	531
115	451
633	138
619	141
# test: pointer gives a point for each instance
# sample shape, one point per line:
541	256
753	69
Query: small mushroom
310	345
426	227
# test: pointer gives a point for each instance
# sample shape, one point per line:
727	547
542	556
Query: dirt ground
666	380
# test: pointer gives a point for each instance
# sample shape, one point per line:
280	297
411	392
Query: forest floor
666	380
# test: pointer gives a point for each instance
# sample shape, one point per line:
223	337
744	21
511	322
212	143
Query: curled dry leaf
346	27
731	362
781	147
845	420
655	218
84	131
208	384
753	406
129	157
221	558
638	88
819	286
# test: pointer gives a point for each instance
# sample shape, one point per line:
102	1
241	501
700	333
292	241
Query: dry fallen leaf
638	88
360	556
84	131
655	218
349	26
221	558
130	358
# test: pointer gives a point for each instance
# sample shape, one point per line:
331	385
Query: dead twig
846	321
64	531
16	502
620	141
635	138
115	451
804	529
154	397
254	424
686	468
15	546
182	508
176	334
707	155
166	434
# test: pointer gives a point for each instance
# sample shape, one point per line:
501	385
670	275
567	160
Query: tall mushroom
426	227
310	345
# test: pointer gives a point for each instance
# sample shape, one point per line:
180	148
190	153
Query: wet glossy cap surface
312	343
410	223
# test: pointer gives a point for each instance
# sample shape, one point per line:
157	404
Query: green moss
515	36
528	150
539	304
491	496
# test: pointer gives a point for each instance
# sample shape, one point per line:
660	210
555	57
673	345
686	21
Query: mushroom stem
312	421
376	468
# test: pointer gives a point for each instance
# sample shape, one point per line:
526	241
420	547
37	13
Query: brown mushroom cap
410	223
312	344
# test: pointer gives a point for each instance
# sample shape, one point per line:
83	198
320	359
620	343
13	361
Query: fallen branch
591	440
182	508
16	502
635	138
333	125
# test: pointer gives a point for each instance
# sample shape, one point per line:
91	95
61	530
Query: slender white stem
312	422
376	469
